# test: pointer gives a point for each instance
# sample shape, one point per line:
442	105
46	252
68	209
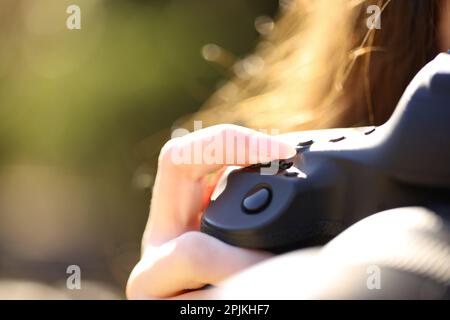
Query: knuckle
167	150
190	249
225	128
189	240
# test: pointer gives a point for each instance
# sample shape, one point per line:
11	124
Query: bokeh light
83	114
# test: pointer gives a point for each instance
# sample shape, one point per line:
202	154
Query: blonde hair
322	66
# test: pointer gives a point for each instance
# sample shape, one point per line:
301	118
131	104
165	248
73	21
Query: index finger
210	149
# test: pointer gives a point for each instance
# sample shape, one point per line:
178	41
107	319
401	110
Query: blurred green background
83	114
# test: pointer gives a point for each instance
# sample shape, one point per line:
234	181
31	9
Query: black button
305	143
337	139
285	165
266	165
369	131
257	200
291	174
259	166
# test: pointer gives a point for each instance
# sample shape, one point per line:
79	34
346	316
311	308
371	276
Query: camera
340	176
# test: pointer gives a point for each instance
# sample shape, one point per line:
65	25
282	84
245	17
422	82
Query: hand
175	256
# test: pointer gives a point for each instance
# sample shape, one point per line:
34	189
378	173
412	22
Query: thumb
188	262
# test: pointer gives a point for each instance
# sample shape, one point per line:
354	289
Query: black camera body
340	176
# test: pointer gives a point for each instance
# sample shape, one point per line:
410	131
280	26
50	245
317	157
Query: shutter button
305	143
257	200
337	139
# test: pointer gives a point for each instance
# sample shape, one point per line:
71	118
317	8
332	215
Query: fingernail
286	150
